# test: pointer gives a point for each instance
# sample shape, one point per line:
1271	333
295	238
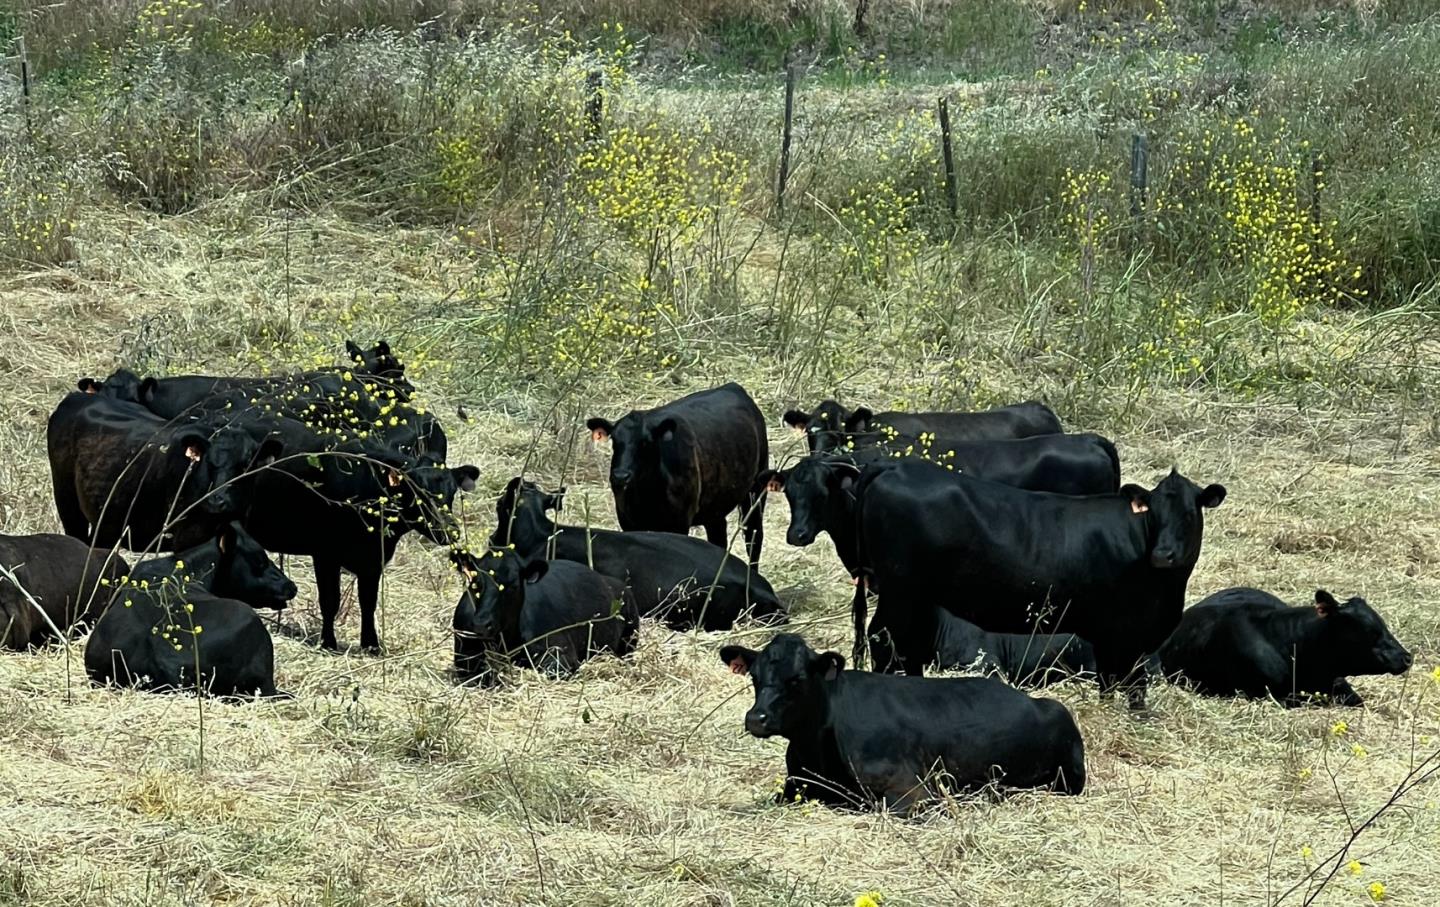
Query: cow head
642	444
123	384
423	492
244	571
487	618
789	679
1174	512
520	516
218	458
377	361
1357	641
813	487
823	428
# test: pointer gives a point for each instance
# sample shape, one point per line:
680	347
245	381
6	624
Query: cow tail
857	613
858	605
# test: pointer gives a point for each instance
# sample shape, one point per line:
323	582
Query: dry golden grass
633	783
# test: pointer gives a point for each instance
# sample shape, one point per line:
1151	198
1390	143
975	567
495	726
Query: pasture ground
219	188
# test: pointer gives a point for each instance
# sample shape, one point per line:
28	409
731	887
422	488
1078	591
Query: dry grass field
532	307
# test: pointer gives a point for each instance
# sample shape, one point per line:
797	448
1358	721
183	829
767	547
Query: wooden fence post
952	191
785	137
1139	175
594	102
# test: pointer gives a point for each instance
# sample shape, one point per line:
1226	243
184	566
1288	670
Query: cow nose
799	537
620	477
288	591
756	723
1404	661
1162	558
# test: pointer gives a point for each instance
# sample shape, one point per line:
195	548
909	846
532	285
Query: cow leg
1124	674
327	586
369	593
857	615
1344	694
72	515
753	521
716	534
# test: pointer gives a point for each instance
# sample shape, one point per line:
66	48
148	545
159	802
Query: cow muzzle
1398	662
757	724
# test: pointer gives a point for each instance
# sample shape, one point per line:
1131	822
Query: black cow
685	581
63	575
1109	568
122	474
1025	659
347	507
830	425
230	565
172	622
689	463
1249	642
819	487
547	615
155	643
858	738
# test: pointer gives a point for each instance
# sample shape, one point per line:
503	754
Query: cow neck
1306	647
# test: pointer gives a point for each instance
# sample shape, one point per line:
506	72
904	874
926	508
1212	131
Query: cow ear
859	419
796	419
827	665
88	385
192	445
352	349
844	474
1139	497
270	451
768	481
1213	496
465	477
553	501
464	562
147	390
225	538
382	348
600	429
665	431
738	658
1325	603
533	571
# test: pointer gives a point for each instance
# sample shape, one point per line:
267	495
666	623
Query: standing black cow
172	626
121	474
347	507
1025	659
1109	568
63	575
830	425
819	488
689	463
1249	642
547	615
685	581
858	738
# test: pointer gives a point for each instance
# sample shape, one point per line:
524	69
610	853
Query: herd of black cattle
989	540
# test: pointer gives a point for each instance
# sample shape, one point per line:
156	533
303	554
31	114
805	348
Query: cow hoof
374	649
